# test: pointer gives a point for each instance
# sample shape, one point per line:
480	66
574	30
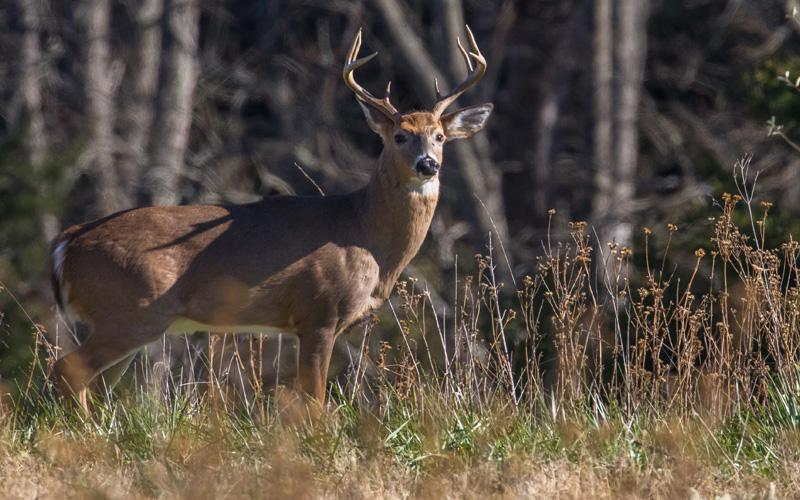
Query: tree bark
555	76
453	19
31	70
619	57
603	106
174	117
95	18
138	108
630	53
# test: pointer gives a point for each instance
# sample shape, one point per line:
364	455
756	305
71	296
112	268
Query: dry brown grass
83	475
592	381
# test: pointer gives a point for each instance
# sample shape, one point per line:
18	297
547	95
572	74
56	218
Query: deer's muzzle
427	166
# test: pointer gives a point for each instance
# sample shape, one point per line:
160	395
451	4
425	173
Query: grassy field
143	448
583	384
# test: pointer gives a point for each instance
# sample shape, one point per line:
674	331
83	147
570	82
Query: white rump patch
59	255
59	252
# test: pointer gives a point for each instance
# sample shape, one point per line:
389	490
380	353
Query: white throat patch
424	187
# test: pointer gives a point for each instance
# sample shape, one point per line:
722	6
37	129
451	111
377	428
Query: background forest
606	304
622	113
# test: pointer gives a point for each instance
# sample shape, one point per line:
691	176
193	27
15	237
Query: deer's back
275	262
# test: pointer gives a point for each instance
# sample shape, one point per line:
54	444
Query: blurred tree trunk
138	108
565	58
630	54
452	12
603	107
32	69
174	116
94	16
479	172
619	56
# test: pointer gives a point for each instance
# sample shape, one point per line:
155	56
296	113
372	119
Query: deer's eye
400	138
439	137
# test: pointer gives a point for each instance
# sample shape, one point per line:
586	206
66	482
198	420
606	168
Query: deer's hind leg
107	347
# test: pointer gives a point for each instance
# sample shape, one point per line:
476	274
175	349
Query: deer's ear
466	122
376	119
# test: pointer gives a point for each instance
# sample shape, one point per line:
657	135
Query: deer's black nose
427	166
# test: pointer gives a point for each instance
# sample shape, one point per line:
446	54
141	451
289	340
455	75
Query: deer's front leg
316	347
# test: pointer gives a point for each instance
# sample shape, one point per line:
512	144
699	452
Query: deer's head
413	142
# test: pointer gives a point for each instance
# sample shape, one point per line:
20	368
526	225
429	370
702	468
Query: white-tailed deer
310	266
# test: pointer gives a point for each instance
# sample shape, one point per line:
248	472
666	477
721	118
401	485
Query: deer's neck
396	216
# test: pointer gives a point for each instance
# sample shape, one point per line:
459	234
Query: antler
352	64
473	75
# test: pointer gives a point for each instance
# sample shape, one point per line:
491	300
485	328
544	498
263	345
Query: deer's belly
186	325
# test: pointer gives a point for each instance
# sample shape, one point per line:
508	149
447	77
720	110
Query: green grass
168	446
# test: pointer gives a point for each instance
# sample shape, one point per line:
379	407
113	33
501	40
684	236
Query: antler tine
351	64
474	73
467	60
